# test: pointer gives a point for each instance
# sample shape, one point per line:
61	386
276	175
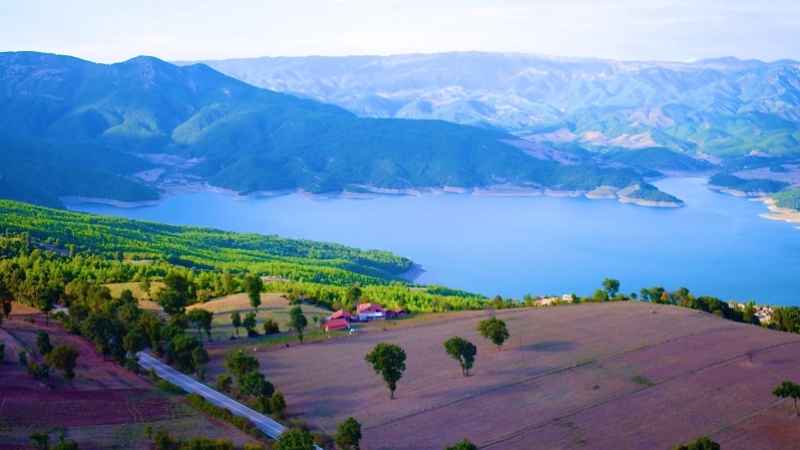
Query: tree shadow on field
552	346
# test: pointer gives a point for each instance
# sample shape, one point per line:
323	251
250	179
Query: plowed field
615	375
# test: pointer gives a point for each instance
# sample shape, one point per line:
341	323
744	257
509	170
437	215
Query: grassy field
272	305
615	375
108	407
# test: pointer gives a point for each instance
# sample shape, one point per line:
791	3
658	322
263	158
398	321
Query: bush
271	327
224	415
166	386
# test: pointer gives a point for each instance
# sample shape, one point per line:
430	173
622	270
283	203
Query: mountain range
126	131
717	109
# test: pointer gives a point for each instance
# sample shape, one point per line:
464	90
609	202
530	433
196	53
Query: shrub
224	415
271	326
166	386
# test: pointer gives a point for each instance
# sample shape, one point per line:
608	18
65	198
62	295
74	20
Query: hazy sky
677	30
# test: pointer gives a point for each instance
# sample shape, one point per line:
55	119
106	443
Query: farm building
340	314
337	324
370	311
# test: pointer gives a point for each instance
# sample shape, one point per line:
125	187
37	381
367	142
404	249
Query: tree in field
249	324
2	351
462	351
702	443
254	384
176	294
463	444
348	435
271	326
239	363
389	361
295	439
787	389
277	405
298	321
43	344
236	321
611	287
253	286
494	329
201	319
64	357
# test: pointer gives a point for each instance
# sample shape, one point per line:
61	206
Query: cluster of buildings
764	313
365	312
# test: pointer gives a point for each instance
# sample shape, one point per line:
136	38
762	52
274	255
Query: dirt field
108	407
616	375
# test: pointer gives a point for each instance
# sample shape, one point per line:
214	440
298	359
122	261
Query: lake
716	245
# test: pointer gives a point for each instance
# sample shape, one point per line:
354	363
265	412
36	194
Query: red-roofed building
397	312
370	311
337	324
340	314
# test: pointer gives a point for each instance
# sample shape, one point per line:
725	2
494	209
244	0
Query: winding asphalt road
268	426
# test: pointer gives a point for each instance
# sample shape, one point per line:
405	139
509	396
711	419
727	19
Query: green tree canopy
201	319
295	439
254	384
788	389
389	361
249	323
298	321
463	444
611	286
348	435
239	363
462	351
236	321
253	286
494	329
43	344
64	357
702	443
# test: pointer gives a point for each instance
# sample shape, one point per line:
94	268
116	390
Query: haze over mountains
72	128
723	107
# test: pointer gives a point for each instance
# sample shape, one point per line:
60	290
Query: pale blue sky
675	30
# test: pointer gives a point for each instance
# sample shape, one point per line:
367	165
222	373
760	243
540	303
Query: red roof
336	324
371	307
340	314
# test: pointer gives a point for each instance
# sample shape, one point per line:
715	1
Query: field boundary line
636	391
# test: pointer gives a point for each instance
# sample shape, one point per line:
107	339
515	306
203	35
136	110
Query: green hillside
87	131
205	248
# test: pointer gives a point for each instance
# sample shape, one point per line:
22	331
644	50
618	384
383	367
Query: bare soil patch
108	407
583	376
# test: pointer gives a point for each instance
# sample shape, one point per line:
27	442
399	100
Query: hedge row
225	415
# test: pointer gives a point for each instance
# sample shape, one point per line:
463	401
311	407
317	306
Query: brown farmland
108	407
614	375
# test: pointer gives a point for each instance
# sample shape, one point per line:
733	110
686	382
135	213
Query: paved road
263	423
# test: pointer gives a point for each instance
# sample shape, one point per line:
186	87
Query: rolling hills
724	107
72	128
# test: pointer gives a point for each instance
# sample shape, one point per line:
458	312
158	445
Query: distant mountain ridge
722	107
72	128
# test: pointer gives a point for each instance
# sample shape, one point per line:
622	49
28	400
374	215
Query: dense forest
92	129
788	199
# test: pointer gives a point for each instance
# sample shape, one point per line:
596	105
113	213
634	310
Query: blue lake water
717	245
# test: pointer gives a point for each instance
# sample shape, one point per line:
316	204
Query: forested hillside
72	128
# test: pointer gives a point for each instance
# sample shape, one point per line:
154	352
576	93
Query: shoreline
778	213
369	192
